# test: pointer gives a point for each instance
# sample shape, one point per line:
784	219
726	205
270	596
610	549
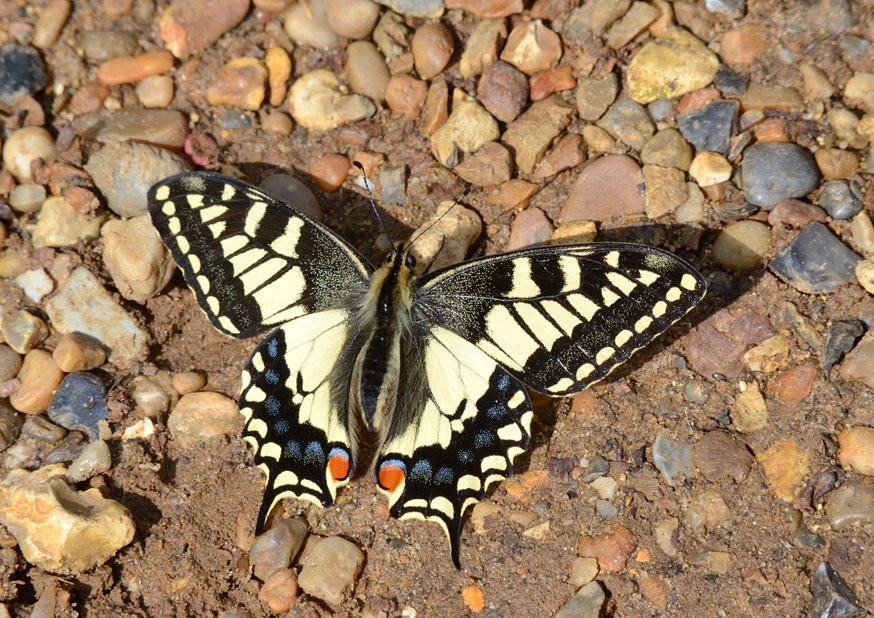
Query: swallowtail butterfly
436	365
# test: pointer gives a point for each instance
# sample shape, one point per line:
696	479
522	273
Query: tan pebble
482	46
780	98
597	139
40	377
153	395
574	232
10	363
316	102
514	195
366	70
78	352
280	591
859	91
750	412
23	331
770	355
277	122
865	274
330	171
279	72
370	161
665	19
406	95
771	130
432	47
583	570
114	9
240	83
128	69
532	47
743	44
155	91
50	23
307	24
709	168
24	147
198	416
785	466
816	83
863	233
353	19
836	164
188	382
89	98
436	108
13	264
857	449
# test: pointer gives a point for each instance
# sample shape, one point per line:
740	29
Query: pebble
316	102
850	504
859	91
367	71
856	452
278	64
607	187
35	284
280	591
25	146
152	395
846	125
742	246
292	191
582	571
77	352
101	45
50	22
129	69
487	8
779	98
670	66
10	424
392	185
186	382
436	108
530	228
663	112
190	27
638	18
79	404
710	127
277	122
447	235
10	363
840	199
832	597
667	148
816	261
836	164
432	46
713	561
595	94
531	134
467	129
124	172
697	391
353	19
597	139
785	466
611	549
695	100
793	384
586	603
594	17
546	83
330	171
770	355
730	82
23	331
568	153
241	82
489	166
795	213
138	262
775	171
750	412
94	459
842	336
275	549
503	90
717	344
859	363
27	198
664	533
673	459
36	426
741	45
665	190
49	520
482	46
865	274
532	47
60	225
473	598
707	511
719	456
83	305
23	72
629	122
160	127
815	80
709	168
155	91
199	416
329	571
13	264
307	24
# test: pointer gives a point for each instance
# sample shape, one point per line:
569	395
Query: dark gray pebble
729	82
234	119
840	200
80	403
289	189
842	336
710	127
775	171
815	261
832	597
22	72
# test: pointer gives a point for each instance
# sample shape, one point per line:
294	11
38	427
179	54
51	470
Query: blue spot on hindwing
272	404
483	438
421	470
281	426
292	449
497	411
271	376
273	348
314	453
444	475
465	456
504	382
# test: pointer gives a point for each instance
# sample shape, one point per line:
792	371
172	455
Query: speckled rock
467	129
199	416
533	132
80	404
135	257
330	569
816	261
58	529
84	306
628	121
785	465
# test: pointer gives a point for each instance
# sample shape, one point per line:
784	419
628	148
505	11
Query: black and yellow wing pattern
472	338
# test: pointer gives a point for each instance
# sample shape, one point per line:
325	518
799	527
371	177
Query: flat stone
718	343
595	94
850	504
84	306
770	355
330	570
707	511
673	459
665	191
719	456
191	26
445	238
750	412
482	47
611	549
731	82
779	98
667	148
793	384
160	127
816	261
568	153
489	166
842	336
639	16
23	331
532	47
204	415
275	549
533	132
530	228
594	17
628	121
102	45
795	213
832	597
95	459
586	603
710	127
859	363
609	186
785	465
80	404
60	225
467	129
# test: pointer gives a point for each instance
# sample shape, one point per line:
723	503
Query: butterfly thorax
384	322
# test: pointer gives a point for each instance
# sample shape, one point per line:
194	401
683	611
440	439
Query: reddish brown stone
795	213
717	345
793	384
554	80
610	186
610	549
503	90
719	456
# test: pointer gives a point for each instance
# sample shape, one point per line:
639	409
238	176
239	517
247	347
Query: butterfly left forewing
460	422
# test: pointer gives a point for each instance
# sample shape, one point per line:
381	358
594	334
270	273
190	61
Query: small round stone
330	171
307	24
353	19
503	90
94	459
199	416
532	47
775	171
23	331
78	352
840	200
275	549
27	198
366	70
288	188
24	147
277	122
155	91
188	382
836	164
10	363
138	262
242	83
280	591
40	377
406	95
153	395
857	449
50	23
742	246
432	47
709	168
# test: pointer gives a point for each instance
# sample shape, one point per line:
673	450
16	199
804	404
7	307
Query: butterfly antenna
437	220
370	195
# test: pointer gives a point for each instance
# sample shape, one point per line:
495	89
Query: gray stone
710	127
775	171
291	190
842	336
22	72
832	597
850	504
80	403
628	121
274	550
840	199
101	45
234	119
730	82
672	458
586	603
733	8
599	467
815	261
605	509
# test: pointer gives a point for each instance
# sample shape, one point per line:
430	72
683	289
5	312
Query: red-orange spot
390	476
338	464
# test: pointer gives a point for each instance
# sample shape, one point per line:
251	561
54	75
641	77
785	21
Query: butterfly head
400	255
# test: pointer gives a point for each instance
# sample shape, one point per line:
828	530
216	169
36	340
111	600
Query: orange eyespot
338	464
391	475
